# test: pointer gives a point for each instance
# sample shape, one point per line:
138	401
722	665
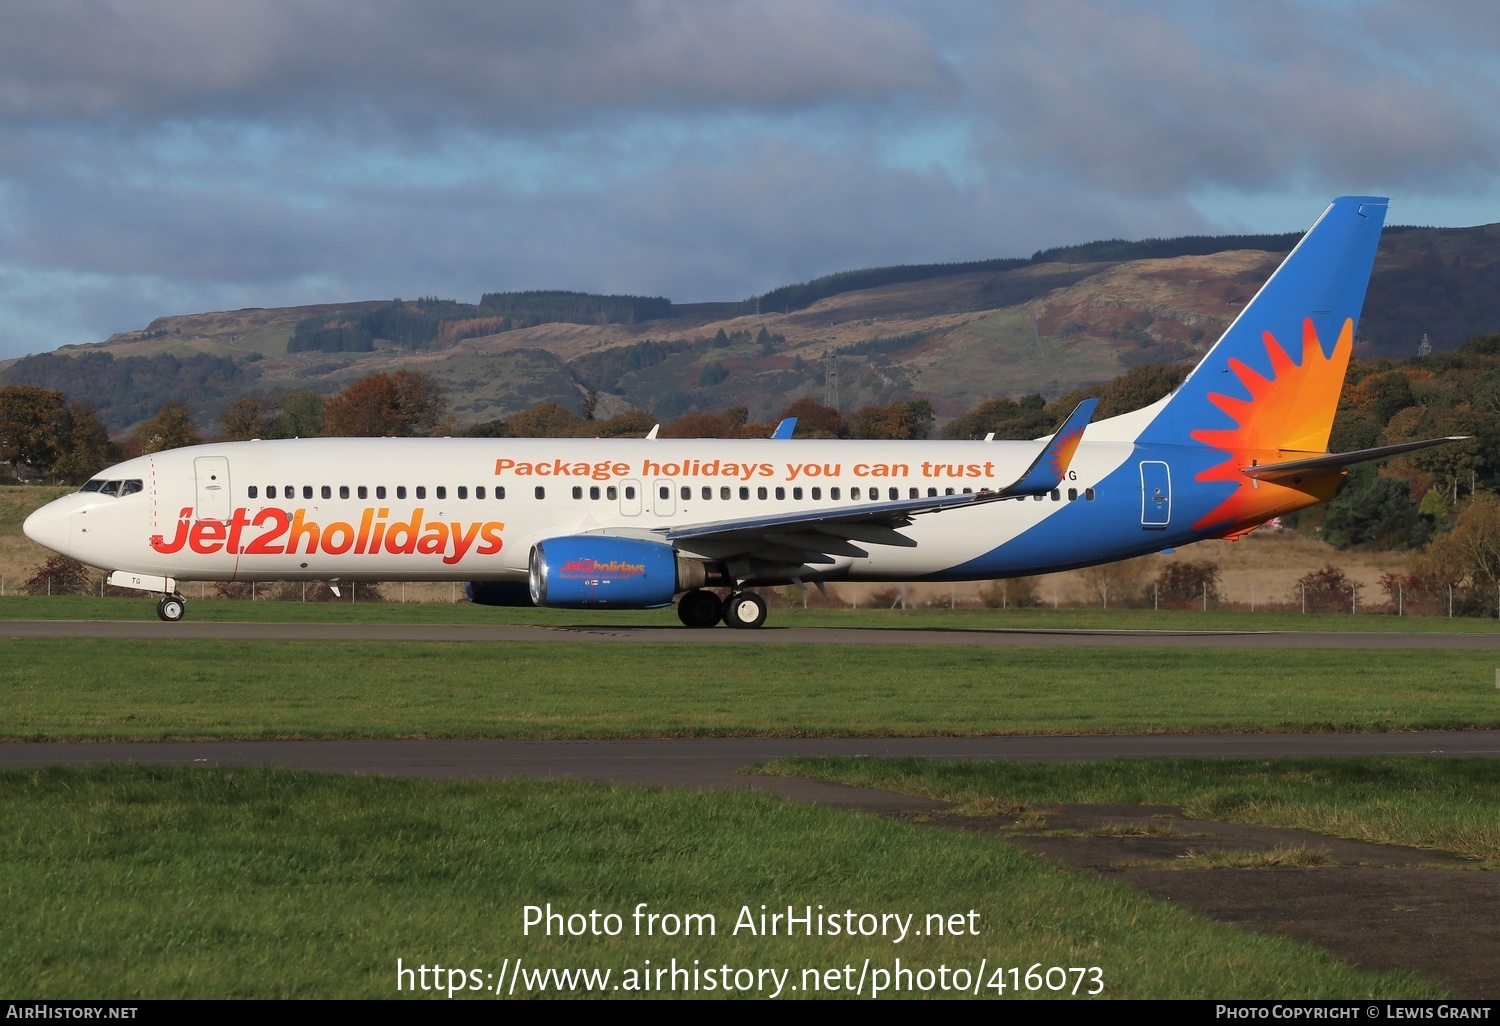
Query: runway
1002	638
715	763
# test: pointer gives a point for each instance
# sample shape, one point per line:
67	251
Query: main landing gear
171	608
699	608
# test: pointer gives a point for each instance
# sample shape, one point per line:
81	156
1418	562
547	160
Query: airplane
643	523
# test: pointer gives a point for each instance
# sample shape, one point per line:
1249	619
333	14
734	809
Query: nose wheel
171	608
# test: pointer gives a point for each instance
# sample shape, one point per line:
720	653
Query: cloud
160	156
516	65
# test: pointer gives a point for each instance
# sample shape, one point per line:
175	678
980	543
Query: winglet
654	429
1051	465
785	428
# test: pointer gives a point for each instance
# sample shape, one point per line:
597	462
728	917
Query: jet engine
595	570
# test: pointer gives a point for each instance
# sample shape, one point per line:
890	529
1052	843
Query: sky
177	156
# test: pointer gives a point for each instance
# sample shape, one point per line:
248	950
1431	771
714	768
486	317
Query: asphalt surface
715	763
187	629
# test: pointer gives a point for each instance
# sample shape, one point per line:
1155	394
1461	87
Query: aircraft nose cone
52	525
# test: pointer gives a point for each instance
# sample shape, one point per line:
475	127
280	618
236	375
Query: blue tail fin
1272	382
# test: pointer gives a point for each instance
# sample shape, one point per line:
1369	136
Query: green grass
140	689
129	882
1447	805
220	611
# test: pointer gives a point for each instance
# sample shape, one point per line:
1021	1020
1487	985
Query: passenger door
1156	495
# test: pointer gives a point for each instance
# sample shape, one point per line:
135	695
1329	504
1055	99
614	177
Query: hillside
1058	322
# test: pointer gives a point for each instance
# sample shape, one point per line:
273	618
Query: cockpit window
115	488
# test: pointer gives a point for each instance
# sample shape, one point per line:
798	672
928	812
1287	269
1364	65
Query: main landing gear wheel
745	609
171	608
699	608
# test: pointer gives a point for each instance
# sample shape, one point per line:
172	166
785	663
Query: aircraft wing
1339	460
814	535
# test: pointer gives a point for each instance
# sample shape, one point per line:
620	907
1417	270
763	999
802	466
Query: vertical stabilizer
1272	382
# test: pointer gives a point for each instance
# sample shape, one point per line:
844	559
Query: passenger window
947	491
744	492
916	493
594	492
968	491
541	493
380	491
796	493
613	493
343	491
760	493
1088	493
781	493
1072	494
895	494
854	493
708	493
687	493
401	491
663	492
578	491
327	492
499	491
421	491
833	493
1056	495
932	493
629	491
817	493
724	492
463	492
442	491
479	491
364	493
252	493
307	491
270	491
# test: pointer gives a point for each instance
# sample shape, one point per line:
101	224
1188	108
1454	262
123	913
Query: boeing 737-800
639	523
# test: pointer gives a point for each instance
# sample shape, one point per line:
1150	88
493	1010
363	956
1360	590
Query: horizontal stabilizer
1339	460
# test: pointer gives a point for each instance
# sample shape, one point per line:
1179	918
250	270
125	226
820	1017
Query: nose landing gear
171	608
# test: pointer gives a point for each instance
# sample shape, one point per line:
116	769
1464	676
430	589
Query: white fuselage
471	509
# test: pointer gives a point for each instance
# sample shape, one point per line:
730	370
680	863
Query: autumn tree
35	427
89	449
246	418
546	420
897	421
171	428
403	404
814	420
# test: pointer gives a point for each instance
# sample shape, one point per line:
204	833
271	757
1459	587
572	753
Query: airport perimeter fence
1319	592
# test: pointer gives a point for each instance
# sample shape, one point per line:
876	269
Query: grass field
142	883
90	688
1447	805
354	611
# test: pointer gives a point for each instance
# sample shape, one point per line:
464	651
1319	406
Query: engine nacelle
594	570
499	593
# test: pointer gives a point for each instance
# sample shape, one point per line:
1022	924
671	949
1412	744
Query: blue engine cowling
499	593
587	570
